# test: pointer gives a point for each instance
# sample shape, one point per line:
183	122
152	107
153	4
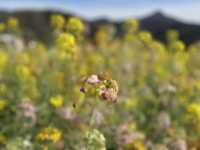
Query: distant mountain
35	25
158	24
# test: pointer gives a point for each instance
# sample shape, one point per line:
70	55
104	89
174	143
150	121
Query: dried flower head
26	111
102	86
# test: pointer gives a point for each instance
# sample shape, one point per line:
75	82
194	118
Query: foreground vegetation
117	93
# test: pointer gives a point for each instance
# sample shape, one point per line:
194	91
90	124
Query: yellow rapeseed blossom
75	25
197	84
172	35
131	103
2	88
131	25
145	36
2	104
57	21
57	101
67	45
194	110
42	136
49	134
2	27
55	135
44	147
101	37
2	139
65	41
24	58
177	46
23	72
12	23
3	59
137	145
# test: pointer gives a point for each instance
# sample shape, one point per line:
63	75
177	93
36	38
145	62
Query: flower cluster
75	25
57	101
105	88
49	134
57	21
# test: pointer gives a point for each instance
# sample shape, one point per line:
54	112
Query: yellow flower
12	23
2	104
57	101
2	139
177	46
131	25
51	134
197	84
131	103
2	88
44	147
194	110
24	58
137	145
55	135
145	36
42	136
57	21
3	59
65	41
172	35
75	25
2	27
23	71
101	37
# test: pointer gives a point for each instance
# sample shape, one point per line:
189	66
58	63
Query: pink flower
93	79
108	94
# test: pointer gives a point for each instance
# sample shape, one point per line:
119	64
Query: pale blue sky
187	10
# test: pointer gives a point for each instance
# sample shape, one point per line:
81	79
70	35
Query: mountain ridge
35	24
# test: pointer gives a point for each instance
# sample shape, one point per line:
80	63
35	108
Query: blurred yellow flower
49	134
3	59
177	46
12	23
65	41
42	136
57	21
57	101
131	25
55	135
137	145
2	139
197	84
2	88
2	27
145	36
194	110
75	25
44	147
172	35
2	104
23	71
24	58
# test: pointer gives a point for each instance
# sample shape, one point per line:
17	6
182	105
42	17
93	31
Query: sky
186	10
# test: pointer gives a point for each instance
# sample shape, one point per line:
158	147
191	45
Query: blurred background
156	16
99	75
